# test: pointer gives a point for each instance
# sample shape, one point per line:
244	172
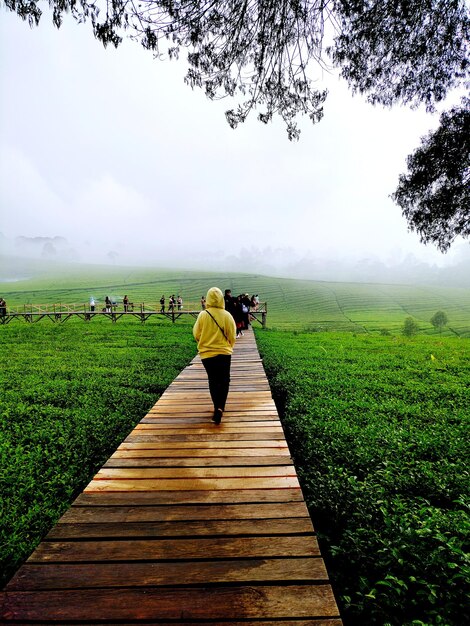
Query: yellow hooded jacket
209	337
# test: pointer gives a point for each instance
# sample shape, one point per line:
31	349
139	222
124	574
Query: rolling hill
292	304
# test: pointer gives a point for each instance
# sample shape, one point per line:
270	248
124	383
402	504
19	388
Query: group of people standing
111	304
173	302
240	306
218	325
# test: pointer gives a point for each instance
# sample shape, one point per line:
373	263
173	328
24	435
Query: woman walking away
215	332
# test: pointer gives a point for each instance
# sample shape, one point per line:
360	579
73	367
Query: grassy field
302	305
378	424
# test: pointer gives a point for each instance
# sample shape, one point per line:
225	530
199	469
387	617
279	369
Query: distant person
253	307
229	302
203	302
107	304
238	315
92	304
214	332
162	304
3	307
180	303
171	303
125	302
245	306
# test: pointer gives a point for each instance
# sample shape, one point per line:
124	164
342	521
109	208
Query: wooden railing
61	311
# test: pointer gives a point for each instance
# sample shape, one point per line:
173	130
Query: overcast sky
111	150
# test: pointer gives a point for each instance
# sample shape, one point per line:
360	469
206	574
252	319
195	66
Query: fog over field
107	157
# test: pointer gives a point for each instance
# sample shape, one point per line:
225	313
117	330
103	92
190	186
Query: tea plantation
379	431
302	305
378	424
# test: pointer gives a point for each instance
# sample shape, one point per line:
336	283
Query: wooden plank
218	461
237	396
148	513
193	484
217	602
202	417
222	429
313	621
214	434
183	419
76	575
264	404
230	528
218	445
174	549
196	453
140	498
195	472
197	429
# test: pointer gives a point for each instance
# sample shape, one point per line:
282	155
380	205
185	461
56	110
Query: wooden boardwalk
186	523
62	313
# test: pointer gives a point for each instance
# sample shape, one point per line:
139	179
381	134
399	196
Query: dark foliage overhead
435	193
411	51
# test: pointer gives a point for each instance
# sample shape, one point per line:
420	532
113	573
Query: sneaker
217	417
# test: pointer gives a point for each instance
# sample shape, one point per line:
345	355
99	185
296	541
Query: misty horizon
150	172
280	262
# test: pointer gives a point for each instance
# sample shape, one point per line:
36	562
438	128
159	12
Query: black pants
218	373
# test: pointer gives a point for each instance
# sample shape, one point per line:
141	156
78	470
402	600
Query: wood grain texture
195	472
229	528
174	603
218	461
163	549
145	498
74	575
192	484
154	513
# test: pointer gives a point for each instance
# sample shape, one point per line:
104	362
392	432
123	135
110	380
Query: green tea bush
70	394
379	431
